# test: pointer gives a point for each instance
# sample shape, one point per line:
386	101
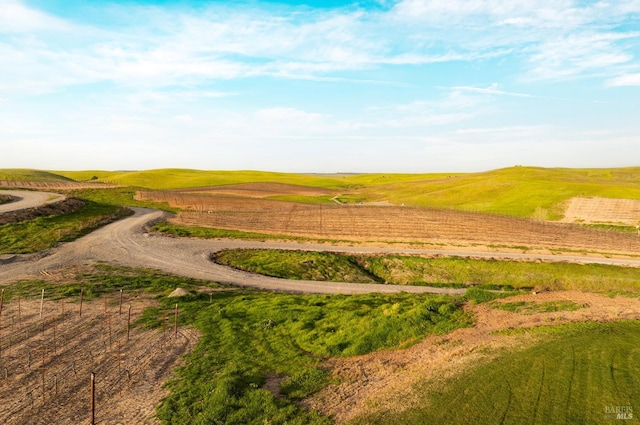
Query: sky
319	86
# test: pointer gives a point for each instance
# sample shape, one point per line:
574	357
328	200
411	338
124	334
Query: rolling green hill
19	174
173	178
517	191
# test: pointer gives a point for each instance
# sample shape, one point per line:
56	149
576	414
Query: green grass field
249	335
19	174
453	272
530	192
578	374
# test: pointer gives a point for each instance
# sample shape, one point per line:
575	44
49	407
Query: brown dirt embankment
65	206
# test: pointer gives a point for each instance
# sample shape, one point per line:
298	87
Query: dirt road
28	199
128	243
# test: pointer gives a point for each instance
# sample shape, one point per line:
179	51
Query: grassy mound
584	373
249	335
453	272
19	174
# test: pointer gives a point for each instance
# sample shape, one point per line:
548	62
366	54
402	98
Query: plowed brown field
261	190
387	224
603	210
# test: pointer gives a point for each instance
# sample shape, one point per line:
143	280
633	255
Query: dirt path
127	242
387	380
28	199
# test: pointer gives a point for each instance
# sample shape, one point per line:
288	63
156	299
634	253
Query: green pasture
527	192
20	174
579	373
248	336
452	272
298	265
184	178
530	192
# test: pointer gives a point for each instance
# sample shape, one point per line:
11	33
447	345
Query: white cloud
624	80
492	90
580	54
15	17
184	117
539	13
289	116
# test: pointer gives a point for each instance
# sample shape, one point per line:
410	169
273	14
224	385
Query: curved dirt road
126	242
28	199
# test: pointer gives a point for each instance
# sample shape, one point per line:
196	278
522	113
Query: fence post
81	296
41	302
175	322
93	398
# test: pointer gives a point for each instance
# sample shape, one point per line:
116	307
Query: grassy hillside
19	174
530	192
170	178
517	191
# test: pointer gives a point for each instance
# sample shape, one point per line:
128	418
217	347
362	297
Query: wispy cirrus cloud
219	42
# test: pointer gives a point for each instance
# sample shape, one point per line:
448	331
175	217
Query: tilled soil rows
387	223
46	362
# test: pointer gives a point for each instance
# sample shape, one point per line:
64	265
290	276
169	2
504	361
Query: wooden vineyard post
109	323
128	322
81	296
1	302
93	398
41	302
175	322
120	310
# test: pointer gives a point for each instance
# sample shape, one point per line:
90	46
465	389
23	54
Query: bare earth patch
46	362
385	380
603	210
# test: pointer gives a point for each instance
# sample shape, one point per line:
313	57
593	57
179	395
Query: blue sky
336	86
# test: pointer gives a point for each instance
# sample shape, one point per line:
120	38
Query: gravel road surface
127	242
28	199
